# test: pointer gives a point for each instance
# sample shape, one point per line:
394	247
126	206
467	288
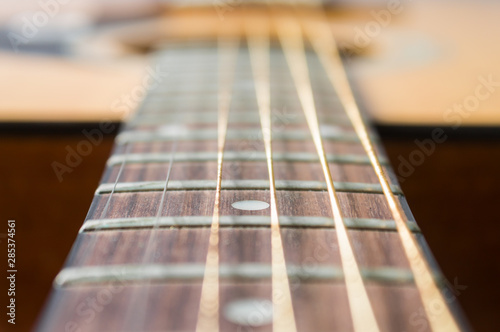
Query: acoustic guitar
249	193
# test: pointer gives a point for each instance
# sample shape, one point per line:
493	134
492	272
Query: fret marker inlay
249	312
250	205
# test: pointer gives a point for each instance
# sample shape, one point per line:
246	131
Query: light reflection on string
319	33
208	315
290	35
139	298
258	44
118	176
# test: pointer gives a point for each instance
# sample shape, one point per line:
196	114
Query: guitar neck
244	195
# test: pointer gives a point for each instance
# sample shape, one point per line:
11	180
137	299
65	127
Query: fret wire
320	35
288	185
97	225
258	46
242	272
208	314
211	117
185	94
362	314
299	157
138	136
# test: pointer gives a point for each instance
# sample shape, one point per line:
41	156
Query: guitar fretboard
242	197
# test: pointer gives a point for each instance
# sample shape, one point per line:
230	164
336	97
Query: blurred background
426	71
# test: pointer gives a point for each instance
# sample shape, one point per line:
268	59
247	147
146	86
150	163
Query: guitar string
122	166
208	314
438	313
93	241
283	315
136	318
290	35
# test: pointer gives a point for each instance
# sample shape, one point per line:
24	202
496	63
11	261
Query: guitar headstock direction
429	46
234	19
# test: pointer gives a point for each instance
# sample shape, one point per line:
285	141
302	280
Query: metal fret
240	221
176	93
144	158
96	275
194	116
186	71
183	134
350	187
166	105
175	96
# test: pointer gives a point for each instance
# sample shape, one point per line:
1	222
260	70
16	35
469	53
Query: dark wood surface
449	218
48	213
454	195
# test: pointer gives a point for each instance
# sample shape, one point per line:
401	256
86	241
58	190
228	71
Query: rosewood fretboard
140	260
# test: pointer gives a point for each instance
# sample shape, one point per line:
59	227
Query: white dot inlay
250	205
249	312
332	130
172	130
